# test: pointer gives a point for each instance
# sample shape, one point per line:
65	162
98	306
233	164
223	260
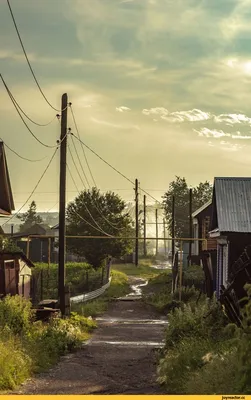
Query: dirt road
119	358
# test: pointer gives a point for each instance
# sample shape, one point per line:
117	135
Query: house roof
19	254
202	208
35	229
232	205
6	197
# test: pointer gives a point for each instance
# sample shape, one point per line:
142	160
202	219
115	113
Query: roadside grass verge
28	347
143	270
119	287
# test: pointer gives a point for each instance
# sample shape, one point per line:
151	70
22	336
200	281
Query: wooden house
6	197
230	225
201	226
15	274
39	250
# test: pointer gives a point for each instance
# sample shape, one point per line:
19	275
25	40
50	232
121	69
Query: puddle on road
133	321
127	344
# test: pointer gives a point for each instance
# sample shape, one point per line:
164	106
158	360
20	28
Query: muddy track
120	357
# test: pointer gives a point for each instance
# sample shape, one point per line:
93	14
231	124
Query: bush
15	364
16	313
203	321
180	361
217	376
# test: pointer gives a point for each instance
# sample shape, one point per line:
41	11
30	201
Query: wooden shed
15	274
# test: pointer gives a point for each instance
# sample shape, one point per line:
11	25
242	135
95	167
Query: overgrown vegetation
204	354
28	347
80	277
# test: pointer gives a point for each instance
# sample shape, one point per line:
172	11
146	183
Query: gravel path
119	358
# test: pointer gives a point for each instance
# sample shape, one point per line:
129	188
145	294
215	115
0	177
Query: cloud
178	116
232	119
122	109
217	134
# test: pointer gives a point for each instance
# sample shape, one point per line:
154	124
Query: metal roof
233	204
202	208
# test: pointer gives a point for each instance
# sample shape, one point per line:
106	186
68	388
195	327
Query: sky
158	87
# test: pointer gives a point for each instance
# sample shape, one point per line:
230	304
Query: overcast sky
159	88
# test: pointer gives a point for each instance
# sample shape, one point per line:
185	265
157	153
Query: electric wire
81	166
18	155
80	177
24	122
27	58
77	130
33	191
95	203
98	229
30	119
115	169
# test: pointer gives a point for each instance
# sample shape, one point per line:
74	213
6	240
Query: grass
119	287
143	270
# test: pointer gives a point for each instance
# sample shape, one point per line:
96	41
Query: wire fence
79	279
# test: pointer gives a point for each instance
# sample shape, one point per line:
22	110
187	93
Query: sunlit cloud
178	116
122	109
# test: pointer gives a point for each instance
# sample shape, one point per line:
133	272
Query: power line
115	169
20	115
77	130
27	59
95	204
75	148
83	183
52	207
30	119
33	191
18	155
99	229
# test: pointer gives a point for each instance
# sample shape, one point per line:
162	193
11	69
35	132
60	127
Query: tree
180	190
30	217
95	214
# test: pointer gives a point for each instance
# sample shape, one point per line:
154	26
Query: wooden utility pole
190	221
156	221
164	234
62	190
145	251
136	222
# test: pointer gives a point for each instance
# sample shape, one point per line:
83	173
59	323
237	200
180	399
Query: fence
79	279
91	295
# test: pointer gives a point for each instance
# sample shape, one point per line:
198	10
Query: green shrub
217	376
180	361
206	320
15	364
16	313
194	273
